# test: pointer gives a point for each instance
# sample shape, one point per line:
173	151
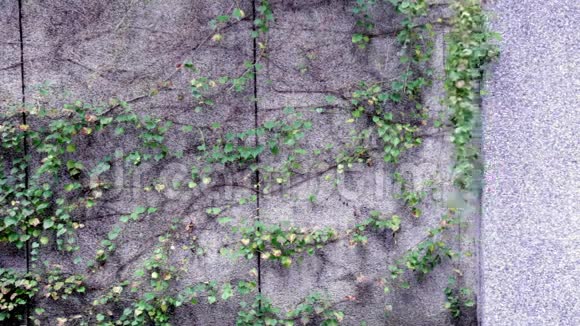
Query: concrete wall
10	97
95	50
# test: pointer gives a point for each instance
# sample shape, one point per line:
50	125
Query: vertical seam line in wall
255	100
479	212
25	141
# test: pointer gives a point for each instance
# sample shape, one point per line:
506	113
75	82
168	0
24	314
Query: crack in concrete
257	173
25	141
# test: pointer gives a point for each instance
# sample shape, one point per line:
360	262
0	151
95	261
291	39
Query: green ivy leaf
213	211
224	220
227	291
47	223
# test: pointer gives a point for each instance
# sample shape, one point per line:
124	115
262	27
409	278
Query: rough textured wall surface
531	221
309	59
95	50
10	96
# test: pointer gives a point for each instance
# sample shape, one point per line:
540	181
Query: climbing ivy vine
470	48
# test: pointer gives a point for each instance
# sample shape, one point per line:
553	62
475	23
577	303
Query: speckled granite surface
530	235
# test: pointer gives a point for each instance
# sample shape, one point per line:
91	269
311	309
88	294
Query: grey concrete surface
97	50
530	232
10	99
10	77
94	50
311	56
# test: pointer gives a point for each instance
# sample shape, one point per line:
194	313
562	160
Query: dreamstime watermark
170	181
